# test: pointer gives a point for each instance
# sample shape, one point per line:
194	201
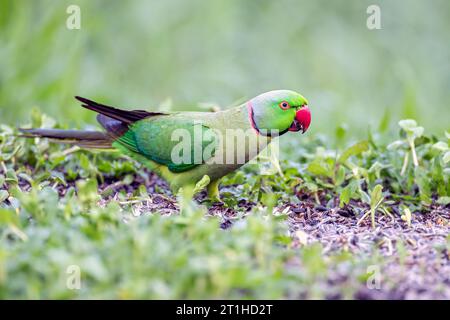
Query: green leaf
440	146
385	120
376	168
423	182
349	192
411	128
3	195
355	149
283	239
311	186
8	217
36	118
320	168
364	196
407	124
9	156
446	157
87	190
406	215
376	195
84	162
396	144
340	133
443	200
418	132
340	176
58	176
128	179
11	177
94	267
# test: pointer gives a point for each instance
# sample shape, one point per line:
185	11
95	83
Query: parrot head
279	110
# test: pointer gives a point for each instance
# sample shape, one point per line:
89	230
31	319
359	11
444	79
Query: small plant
406	215
413	132
376	199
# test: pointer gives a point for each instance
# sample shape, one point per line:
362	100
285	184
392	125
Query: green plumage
154	138
150	141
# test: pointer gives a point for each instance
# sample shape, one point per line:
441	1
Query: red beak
302	120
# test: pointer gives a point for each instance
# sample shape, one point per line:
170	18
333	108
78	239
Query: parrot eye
284	105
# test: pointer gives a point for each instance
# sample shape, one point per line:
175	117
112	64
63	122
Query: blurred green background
140	53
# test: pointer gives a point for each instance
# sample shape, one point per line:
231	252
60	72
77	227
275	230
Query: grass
119	224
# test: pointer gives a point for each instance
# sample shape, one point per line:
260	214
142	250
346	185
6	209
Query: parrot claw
214	201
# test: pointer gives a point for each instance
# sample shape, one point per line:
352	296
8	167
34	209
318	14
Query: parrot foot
213	192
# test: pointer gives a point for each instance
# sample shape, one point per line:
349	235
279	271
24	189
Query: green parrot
187	147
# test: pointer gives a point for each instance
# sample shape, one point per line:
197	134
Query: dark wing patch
125	116
115	128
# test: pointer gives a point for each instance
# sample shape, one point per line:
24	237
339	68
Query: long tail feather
85	139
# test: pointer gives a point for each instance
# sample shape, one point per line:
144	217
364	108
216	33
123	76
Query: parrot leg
213	191
186	193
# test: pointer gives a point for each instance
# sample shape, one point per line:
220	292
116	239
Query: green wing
180	144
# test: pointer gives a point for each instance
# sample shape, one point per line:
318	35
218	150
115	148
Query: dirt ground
420	269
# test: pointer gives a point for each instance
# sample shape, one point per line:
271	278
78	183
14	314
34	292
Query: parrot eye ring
284	105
